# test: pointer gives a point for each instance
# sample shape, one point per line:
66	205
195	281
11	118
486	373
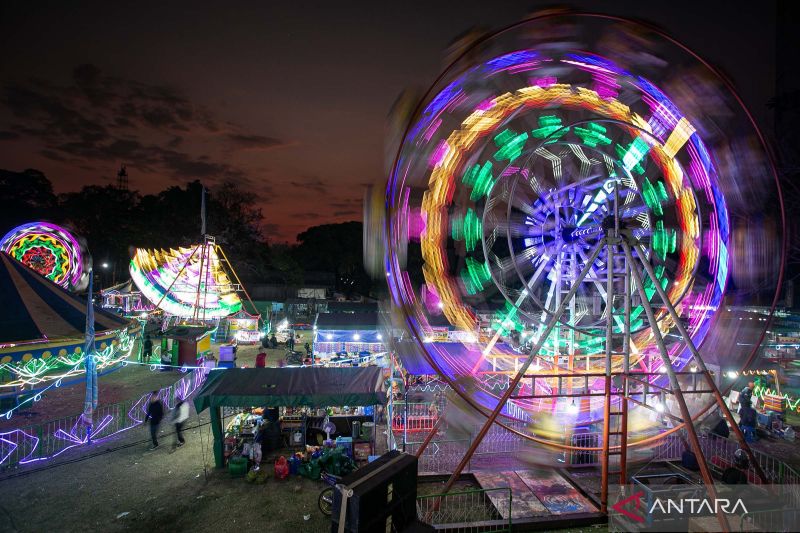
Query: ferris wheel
573	197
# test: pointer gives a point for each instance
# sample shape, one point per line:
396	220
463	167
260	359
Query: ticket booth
187	345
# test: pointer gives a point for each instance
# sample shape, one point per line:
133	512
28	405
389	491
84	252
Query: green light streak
654	195
480	179
510	145
548	125
632	156
467	228
592	135
476	276
665	241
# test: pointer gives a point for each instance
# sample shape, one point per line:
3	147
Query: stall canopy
292	387
288	387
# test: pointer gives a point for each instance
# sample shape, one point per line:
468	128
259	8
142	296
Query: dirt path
132	489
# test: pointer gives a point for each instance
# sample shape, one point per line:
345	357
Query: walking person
155	413
179	416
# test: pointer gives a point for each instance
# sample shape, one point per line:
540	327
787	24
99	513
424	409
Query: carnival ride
190	283
43	332
575	195
52	251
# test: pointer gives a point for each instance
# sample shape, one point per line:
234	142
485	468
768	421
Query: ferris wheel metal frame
631	271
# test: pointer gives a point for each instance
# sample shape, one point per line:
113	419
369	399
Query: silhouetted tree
27	196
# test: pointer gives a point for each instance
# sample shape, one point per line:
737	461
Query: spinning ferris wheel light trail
569	203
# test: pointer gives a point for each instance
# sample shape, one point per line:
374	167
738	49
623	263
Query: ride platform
535	493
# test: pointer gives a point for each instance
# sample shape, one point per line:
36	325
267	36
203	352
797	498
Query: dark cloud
309	215
311	184
271	229
253	142
100	117
9	135
54	156
346	204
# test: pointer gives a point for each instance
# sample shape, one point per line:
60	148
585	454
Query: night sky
289	98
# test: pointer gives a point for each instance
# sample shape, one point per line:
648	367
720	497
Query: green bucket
237	466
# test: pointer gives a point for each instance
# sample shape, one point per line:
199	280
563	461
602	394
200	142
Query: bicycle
325	499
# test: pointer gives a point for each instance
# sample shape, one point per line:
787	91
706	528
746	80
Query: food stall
305	397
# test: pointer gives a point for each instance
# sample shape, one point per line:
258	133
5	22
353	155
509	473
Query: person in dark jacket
746	396
273	342
155	413
721	429
147	349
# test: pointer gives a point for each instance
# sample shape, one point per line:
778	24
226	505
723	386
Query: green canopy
292	387
286	387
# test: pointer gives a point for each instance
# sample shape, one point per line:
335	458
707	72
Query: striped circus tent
42	327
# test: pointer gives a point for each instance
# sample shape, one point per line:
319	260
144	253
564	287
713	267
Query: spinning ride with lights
186	282
190	283
50	250
554	198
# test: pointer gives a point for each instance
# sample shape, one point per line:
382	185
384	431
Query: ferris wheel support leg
430	435
518	377
605	459
673	380
703	369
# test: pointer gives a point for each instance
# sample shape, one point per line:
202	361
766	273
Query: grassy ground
133	489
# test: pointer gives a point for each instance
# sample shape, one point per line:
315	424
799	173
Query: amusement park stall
350	333
123	299
310	396
186	345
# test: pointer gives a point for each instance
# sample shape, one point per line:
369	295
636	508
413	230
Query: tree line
115	221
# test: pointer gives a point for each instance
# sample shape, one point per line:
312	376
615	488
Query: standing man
746	397
179	416
155	412
147	349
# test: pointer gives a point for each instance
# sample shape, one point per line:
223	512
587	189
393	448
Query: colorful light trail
50	250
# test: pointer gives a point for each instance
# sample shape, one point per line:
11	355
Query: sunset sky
289	98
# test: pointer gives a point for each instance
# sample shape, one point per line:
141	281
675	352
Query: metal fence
471	511
46	441
773	520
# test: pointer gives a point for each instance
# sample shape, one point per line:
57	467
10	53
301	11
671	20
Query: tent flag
90	403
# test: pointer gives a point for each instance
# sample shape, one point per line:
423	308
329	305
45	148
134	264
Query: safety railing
421	416
773	520
471	511
46	441
439	457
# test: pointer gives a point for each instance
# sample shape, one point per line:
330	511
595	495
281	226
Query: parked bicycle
325	500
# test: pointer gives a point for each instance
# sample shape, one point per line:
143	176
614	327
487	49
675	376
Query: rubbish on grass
126	513
306	517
